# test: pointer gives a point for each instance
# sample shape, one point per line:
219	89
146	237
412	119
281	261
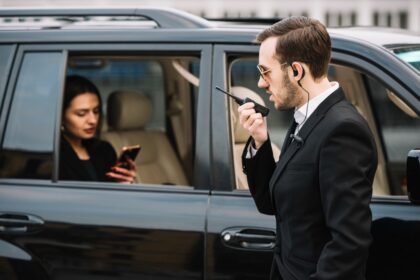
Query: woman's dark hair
77	85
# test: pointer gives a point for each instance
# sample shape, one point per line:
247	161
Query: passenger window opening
243	77
146	101
372	99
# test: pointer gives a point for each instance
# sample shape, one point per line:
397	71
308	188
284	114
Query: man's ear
298	70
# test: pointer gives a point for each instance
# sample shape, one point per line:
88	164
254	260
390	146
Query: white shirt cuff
251	150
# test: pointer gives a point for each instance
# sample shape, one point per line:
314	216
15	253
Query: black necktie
288	138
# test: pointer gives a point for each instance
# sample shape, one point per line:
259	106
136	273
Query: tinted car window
410	55
28	143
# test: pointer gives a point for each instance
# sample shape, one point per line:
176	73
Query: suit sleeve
259	169
348	163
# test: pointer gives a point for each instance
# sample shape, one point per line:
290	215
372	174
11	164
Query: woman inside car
83	157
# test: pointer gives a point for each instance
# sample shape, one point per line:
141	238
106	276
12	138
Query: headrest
241	134
128	109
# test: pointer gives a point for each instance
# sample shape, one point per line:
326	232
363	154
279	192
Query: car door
239	238
388	98
53	229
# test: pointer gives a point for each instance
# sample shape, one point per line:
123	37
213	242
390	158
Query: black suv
190	216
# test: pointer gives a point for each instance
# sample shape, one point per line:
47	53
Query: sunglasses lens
260	71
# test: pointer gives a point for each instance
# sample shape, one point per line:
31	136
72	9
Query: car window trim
224	174
9	90
203	155
5	79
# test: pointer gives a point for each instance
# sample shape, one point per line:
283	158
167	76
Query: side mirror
413	175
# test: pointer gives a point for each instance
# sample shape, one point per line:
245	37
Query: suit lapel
305	131
286	140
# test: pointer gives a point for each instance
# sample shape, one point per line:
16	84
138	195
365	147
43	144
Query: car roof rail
246	20
163	17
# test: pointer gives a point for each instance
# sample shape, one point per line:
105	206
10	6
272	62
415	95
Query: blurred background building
395	13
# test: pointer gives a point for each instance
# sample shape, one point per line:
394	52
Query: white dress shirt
304	112
308	108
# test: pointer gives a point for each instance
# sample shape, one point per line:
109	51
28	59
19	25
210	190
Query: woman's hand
123	175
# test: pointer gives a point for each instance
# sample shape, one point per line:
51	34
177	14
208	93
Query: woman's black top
102	158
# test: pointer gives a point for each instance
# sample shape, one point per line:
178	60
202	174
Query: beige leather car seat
352	83
241	135
128	113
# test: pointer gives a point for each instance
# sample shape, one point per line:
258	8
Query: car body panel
113	231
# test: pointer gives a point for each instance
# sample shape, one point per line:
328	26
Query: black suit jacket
319	192
102	156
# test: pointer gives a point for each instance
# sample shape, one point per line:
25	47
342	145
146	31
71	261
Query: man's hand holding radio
254	122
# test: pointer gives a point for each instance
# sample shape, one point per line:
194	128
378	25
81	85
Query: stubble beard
291	96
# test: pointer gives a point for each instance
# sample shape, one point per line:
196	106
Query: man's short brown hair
301	39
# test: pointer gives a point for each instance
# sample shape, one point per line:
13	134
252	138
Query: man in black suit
320	189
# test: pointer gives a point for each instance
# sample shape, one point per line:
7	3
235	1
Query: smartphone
128	152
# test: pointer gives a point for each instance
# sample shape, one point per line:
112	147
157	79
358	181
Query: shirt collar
313	104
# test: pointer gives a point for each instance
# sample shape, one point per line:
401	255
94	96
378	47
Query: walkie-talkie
258	107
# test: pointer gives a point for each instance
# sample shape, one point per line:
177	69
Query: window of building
403	19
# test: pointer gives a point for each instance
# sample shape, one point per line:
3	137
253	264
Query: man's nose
262	83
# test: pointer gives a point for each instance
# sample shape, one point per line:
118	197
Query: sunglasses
263	71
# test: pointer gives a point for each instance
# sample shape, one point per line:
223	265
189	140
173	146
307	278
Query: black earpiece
296	137
295	72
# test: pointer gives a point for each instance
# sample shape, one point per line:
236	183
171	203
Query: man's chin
281	107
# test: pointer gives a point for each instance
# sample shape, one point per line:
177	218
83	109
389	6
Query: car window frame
222	145
383	75
224	174
4	77
20	52
199	179
379	62
202	154
7	91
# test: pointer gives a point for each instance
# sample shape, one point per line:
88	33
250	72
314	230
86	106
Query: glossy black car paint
106	231
120	233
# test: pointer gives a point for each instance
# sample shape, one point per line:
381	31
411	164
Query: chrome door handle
19	223
259	239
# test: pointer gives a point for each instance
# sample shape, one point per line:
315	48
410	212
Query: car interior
146	103
240	134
